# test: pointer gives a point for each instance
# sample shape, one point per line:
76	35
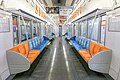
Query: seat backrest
87	44
38	40
45	38
21	49
15	49
80	41
84	43
34	44
27	47
77	39
31	45
73	38
92	45
104	48
96	49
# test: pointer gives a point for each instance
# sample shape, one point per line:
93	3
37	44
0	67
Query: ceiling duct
59	1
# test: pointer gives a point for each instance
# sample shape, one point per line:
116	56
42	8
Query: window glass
84	28
35	29
25	30
73	29
42	29
89	27
76	29
70	30
95	29
39	29
79	29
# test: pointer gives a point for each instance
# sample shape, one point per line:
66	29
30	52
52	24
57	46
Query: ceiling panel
59	2
49	2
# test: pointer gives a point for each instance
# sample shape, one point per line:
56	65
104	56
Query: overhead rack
24	14
92	14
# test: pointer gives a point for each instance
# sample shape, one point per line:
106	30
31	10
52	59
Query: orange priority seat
24	49
94	49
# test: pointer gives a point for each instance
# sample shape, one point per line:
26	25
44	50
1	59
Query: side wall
113	42
6	42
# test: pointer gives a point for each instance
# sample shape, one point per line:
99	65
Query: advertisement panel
52	10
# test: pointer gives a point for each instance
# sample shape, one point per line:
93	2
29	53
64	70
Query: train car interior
59	39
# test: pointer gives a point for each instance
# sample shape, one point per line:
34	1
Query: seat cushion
103	48
43	44
85	55
86	59
33	54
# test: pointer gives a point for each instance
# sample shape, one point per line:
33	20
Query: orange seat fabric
94	49
33	55
21	48
14	49
25	49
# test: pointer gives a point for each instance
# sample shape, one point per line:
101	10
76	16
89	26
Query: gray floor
59	62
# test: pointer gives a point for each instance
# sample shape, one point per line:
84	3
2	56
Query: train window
42	29
89	27
39	29
79	29
70	30
73	29
25	30
35	29
45	29
95	29
84	28
76	30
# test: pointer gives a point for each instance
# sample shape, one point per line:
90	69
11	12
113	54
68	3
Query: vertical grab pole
19	30
25	32
92	31
25	27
